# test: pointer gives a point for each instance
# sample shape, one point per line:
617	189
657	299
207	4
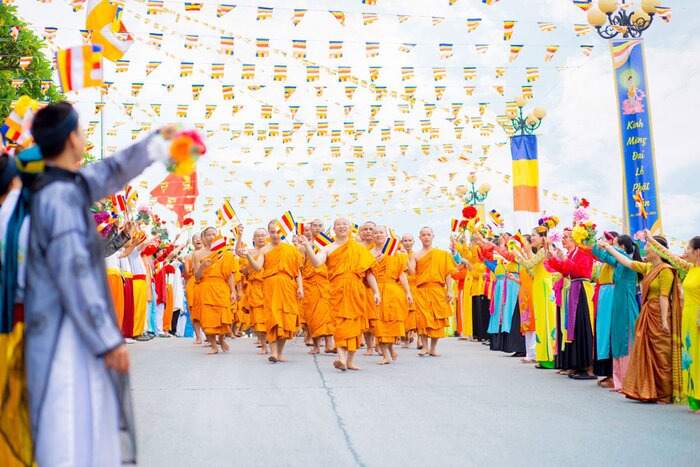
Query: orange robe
281	303
191	293
215	295
254	300
393	310
316	306
168	312
370	307
347	266
242	311
434	310
410	321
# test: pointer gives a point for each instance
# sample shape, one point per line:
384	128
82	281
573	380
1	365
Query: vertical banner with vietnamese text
637	145
526	181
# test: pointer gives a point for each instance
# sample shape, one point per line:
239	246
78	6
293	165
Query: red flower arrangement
188	221
469	212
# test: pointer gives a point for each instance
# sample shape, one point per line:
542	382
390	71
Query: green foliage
27	44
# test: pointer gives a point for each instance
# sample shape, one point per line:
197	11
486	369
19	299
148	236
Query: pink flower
640	236
581	215
555	237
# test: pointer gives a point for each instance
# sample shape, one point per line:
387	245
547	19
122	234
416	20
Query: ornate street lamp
475	196
525	125
611	19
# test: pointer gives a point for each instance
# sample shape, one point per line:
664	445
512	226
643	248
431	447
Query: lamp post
523	150
476	196
610	19
525	125
623	29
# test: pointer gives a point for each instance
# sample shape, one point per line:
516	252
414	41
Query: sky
579	149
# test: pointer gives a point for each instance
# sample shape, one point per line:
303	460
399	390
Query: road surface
468	407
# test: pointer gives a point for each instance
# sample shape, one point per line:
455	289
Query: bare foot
262	352
224	346
423	354
353	367
615	390
434	354
272	359
331	351
314	351
282	359
207	344
368	353
394	355
404	345
198	341
383	361
213	351
340	365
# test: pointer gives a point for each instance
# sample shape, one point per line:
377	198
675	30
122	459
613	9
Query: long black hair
664	243
631	248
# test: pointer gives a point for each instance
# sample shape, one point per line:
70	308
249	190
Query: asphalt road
467	407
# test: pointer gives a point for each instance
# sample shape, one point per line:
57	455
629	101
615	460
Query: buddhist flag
322	240
546	27
131	195
496	218
186	69
151	66
264	13
508	27
298	48
585	5
454	225
104	21
587	50
288	221
118	203
664	13
469	73
581	29
340	16
298	16
335	49
219	243
80	67
222	9
525	179
391	246
371	49
262	47
472	24
445	51
369	18
514	51
193	6
155	39
639	199
227	212
226	43
532	74
551	50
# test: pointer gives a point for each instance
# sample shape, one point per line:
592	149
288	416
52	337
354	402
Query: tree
11	51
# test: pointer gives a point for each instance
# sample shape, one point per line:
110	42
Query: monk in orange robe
193	304
217	290
316	306
349	263
433	268
410	322
253	298
396	296
282	289
367	240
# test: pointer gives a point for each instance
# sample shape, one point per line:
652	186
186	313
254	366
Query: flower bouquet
585	234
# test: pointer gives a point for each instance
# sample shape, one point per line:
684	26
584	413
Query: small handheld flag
322	239
639	199
118	203
288	222
497	218
300	228
80	67
391	246
219	244
454	225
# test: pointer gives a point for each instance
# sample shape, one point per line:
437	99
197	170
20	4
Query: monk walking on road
349	264
433	268
282	289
